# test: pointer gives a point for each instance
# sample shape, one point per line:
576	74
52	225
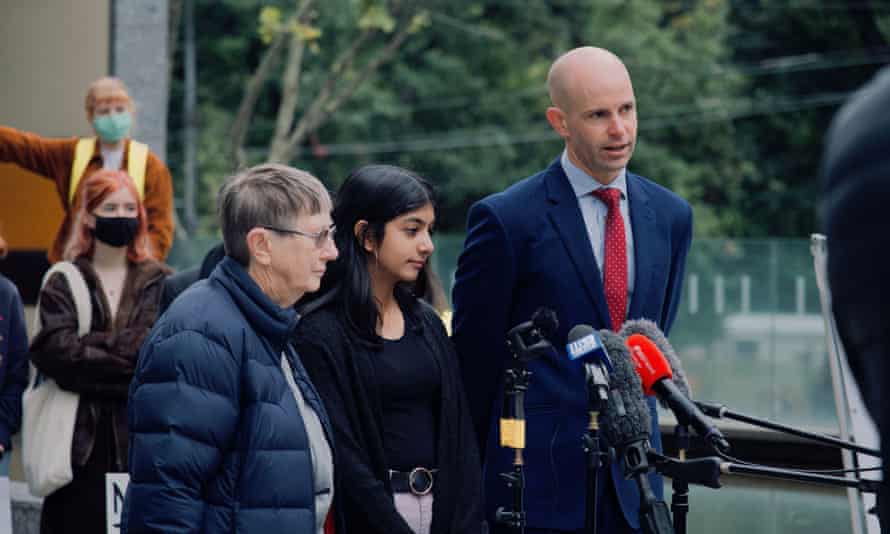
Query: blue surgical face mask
113	127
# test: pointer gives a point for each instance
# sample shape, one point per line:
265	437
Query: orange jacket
53	158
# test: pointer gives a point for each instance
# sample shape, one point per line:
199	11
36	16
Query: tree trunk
326	103
290	95
190	132
173	24
238	132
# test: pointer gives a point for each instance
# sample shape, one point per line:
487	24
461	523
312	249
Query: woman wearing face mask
110	247
66	162
386	370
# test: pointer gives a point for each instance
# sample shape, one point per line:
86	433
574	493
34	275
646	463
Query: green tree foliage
470	113
801	61
463	99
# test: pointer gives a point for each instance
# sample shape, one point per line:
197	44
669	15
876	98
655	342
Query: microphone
545	320
680	496
626	422
656	374
585	346
707	472
720	411
529	340
649	329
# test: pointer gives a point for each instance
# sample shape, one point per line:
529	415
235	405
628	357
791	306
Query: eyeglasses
320	238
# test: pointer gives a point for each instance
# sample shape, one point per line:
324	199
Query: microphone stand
526	342
707	471
680	497
719	411
654	515
862	484
597	397
513	436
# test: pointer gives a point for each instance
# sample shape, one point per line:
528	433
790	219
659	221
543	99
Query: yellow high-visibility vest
137	160
445	316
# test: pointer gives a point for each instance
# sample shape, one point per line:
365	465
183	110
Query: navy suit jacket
528	247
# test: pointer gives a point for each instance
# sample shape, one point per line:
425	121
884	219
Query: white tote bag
48	411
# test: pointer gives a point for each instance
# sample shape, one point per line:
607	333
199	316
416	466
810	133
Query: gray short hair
266	195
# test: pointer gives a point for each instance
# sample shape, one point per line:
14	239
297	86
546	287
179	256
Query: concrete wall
50	51
139	57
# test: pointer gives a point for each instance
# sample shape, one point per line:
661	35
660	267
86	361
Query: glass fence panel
743	507
750	333
749	330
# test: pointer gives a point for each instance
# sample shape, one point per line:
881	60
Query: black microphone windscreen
649	329
546	321
626	418
579	331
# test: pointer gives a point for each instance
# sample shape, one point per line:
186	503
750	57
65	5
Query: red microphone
656	376
650	363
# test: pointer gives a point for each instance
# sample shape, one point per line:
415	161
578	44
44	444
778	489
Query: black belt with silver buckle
418	481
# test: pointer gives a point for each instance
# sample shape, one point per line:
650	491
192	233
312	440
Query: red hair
91	193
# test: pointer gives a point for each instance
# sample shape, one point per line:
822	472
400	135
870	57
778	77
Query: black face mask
116	231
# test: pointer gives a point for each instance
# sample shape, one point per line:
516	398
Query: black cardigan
342	371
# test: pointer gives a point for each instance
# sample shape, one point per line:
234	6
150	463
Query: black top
409	381
341	368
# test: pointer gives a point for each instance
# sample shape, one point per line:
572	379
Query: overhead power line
796	63
821	6
725	111
790	5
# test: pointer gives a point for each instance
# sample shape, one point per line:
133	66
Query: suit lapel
642	221
569	224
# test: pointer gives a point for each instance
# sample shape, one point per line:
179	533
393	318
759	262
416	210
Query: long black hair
377	194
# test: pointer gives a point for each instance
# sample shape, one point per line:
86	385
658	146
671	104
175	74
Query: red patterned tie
615	261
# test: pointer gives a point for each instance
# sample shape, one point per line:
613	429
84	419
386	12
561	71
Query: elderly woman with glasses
227	433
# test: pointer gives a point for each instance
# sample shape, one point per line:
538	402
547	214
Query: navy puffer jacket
217	443
13	361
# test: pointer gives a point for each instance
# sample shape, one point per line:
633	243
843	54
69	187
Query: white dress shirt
594	212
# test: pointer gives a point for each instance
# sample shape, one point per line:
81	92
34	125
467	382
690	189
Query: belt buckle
425	476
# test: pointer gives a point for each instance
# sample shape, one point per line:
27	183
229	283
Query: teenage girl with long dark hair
383	363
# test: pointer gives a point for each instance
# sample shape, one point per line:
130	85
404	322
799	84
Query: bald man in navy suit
559	239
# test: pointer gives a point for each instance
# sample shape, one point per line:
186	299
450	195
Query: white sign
115	489
5	507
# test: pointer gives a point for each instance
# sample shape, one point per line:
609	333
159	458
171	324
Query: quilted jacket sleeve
13	357
183	414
